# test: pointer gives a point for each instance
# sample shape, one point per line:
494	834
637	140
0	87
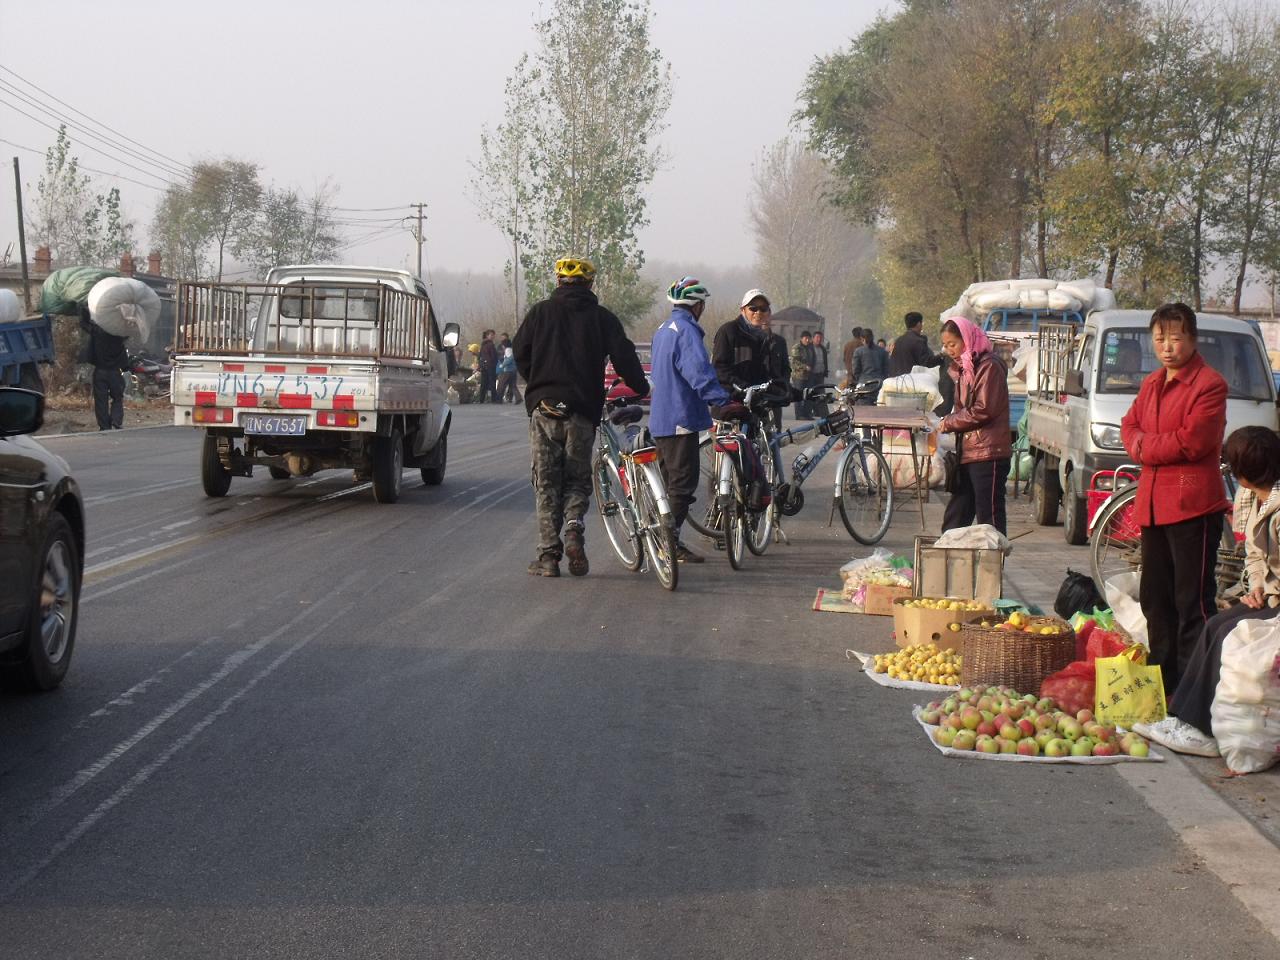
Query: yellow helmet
473	348
575	268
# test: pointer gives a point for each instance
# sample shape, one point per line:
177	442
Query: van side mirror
451	334
1073	383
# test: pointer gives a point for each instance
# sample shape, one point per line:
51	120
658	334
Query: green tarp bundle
66	289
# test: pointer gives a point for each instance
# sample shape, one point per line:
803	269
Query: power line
33	86
11	90
403	206
89	146
105	173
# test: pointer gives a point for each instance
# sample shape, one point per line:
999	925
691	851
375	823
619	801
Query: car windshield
1127	357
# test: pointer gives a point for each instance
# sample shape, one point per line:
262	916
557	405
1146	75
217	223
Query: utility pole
22	238
417	234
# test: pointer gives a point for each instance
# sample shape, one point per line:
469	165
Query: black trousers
108	397
489	386
1194	699
1177	590
979	496
679	458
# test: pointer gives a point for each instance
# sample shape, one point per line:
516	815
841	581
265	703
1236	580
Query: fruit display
924	664
1022	623
945	603
1001	720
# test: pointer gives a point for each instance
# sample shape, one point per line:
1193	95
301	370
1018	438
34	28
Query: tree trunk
1042	243
1113	256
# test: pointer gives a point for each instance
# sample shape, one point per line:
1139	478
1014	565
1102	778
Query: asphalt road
303	724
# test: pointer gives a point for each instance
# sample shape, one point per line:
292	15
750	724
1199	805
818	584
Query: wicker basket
1014	658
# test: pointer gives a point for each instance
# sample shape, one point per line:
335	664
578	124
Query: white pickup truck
1087	380
316	368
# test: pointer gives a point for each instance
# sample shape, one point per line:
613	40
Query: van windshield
1127	357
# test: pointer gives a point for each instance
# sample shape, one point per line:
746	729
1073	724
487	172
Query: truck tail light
211	415
335	418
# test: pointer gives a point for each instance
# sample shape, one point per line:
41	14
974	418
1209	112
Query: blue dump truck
24	345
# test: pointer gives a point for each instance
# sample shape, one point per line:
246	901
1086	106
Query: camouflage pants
561	451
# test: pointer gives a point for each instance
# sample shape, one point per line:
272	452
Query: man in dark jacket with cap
561	350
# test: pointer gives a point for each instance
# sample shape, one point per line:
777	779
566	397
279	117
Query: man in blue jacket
684	385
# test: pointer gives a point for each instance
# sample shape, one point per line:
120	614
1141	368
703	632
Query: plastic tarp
66	289
124	307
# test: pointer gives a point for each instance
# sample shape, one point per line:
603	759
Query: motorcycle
148	376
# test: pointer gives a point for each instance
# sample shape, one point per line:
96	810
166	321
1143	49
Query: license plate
273	425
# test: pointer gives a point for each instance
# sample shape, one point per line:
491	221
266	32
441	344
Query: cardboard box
916	626
962	572
879	599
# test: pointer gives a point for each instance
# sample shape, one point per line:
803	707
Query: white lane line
106	591
145	774
139	492
1230	846
230	664
140	554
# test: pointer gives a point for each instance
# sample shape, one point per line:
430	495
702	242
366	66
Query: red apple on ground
944	736
987	745
1138	747
1105	749
1007	746
1084	716
970	717
1046	722
1070	729
986	703
1044	737
987	728
953	721
1028	748
1045	705
1010	731
1057	748
931	717
1027	727
934	705
1082	747
964	740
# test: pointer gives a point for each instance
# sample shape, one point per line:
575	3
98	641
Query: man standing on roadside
820	372
488	367
870	369
912	348
561	350
684	386
801	366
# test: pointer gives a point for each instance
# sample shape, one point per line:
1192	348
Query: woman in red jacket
1174	430
980	421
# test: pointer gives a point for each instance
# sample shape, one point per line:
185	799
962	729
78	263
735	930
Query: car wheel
55	604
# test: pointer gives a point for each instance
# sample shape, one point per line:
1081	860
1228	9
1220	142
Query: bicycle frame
629	465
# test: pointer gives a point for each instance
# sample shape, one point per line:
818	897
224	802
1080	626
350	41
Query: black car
41	550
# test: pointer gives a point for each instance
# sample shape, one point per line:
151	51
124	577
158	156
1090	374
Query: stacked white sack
124	307
1033	293
10	309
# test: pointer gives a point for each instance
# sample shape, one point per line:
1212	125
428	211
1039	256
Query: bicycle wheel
735	518
760	524
1115	545
865	488
703	513
659	539
617	513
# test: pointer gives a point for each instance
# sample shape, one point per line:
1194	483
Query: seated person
1123	370
1253	454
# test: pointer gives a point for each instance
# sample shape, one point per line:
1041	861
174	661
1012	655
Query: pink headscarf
975	342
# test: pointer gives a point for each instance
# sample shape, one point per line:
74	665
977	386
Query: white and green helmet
687	291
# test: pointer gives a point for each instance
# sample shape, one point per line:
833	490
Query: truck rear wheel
1075	514
388	466
1045	493
214	477
279	473
433	475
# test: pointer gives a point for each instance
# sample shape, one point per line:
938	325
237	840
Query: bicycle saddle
624	415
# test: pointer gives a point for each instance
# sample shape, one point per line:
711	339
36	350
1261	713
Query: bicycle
631	494
1115	537
863	490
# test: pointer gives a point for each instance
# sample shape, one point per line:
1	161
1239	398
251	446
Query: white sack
124	307
1061	300
1034	299
1026	366
1122	598
986	286
10	310
1032	283
1104	298
1246	707
962	308
1081	289
1005	299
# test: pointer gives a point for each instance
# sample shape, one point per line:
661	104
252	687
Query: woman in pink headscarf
980	421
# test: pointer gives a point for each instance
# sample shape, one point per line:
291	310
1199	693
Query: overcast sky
388	99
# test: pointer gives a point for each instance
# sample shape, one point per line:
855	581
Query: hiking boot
575	551
545	566
685	555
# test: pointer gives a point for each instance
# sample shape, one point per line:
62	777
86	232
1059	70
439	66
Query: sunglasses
764	309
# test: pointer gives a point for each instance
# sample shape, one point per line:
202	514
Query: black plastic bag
1077	593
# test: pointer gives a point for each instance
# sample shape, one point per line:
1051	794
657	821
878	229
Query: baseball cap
751	295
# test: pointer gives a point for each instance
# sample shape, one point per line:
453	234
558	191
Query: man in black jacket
912	348
110	359
561	349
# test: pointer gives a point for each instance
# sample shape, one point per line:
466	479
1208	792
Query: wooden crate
969	573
